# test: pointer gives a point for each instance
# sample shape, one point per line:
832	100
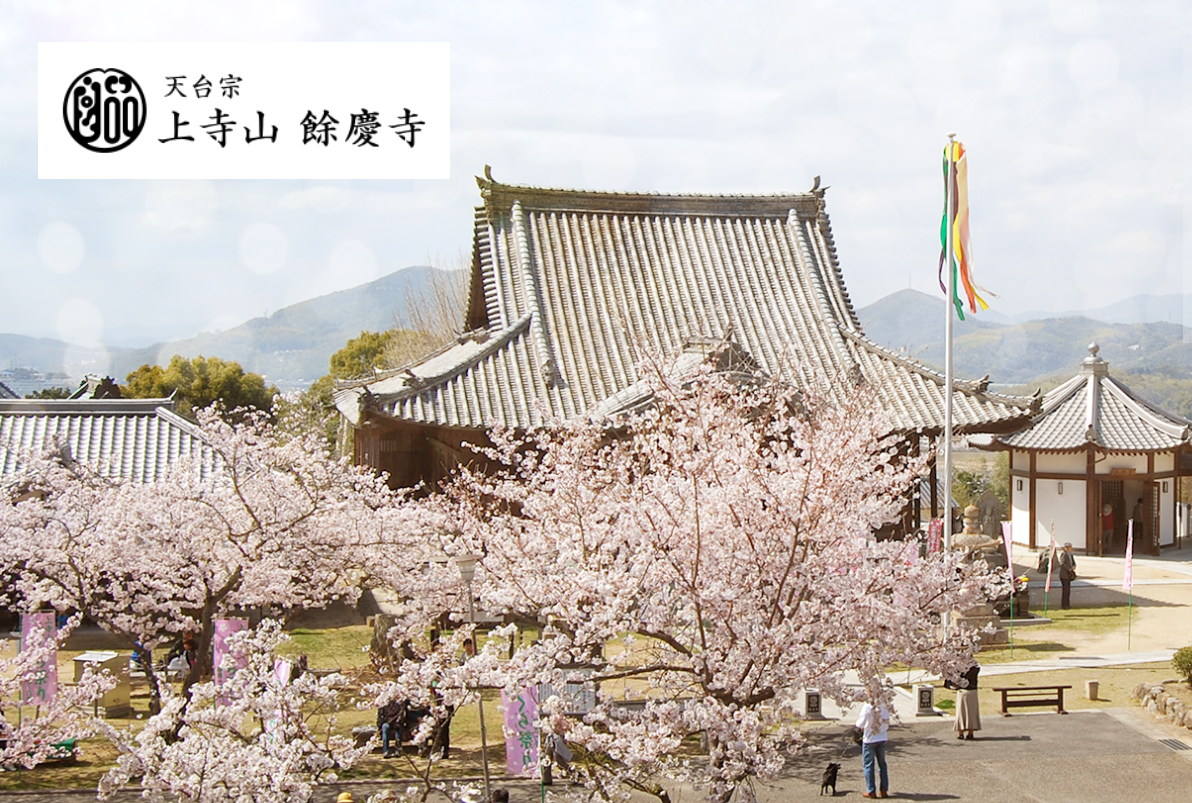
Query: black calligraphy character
202	87
176	85
248	137
321	130
364	127
178	131
409	125
218	130
230	86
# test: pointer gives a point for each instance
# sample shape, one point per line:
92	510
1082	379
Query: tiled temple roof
569	288
128	439
1093	408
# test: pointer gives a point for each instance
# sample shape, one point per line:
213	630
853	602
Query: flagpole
1128	580
948	379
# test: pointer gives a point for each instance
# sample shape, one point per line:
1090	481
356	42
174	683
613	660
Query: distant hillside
913	321
1144	308
33	363
292	347
1155	359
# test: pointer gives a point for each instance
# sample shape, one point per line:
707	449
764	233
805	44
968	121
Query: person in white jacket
874	722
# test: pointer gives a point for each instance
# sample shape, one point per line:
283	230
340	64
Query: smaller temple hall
1096	458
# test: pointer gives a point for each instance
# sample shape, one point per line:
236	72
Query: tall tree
259	735
199	382
262	524
50	393
67	715
708	558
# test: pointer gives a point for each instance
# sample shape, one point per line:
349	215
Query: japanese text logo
104	110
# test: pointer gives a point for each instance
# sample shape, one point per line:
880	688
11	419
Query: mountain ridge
292	347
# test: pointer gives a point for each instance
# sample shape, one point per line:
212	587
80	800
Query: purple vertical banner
282	669
1007	538
43	686
521	733
935	536
224	629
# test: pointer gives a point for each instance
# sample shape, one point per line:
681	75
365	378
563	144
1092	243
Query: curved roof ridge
1062	393
712	205
488	184
1168	423
423	383
970	385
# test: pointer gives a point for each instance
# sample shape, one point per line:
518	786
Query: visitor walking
874	722
968	705
1067	566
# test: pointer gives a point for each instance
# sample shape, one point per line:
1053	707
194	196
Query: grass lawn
344	649
1033	642
1116	684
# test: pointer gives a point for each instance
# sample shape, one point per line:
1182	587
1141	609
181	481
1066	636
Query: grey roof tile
128	439
569	287
1094	408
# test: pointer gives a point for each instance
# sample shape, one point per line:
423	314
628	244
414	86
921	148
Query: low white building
1095	458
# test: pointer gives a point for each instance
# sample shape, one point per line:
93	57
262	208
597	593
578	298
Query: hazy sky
1075	114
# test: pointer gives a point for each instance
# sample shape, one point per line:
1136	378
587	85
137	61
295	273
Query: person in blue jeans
874	722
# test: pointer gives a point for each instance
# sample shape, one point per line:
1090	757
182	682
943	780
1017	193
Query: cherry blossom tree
699	564
260	523
67	715
260	736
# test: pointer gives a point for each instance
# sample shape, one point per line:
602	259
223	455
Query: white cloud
80	322
1093	63
175	205
60	247
325	200
1074	112
263	248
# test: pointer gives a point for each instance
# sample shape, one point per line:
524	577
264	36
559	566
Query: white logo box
405	86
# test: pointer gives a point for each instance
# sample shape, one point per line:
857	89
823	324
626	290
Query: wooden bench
1023	696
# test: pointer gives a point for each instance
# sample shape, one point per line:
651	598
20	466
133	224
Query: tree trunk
154	686
202	664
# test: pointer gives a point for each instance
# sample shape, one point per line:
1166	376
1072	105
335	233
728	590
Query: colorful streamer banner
43	687
956	218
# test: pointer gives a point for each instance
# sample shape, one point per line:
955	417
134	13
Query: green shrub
1182	661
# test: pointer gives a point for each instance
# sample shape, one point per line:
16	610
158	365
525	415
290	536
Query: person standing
1107	528
874	723
968	705
1139	528
390	718
1067	566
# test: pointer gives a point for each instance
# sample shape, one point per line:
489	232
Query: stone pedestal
117	701
979	616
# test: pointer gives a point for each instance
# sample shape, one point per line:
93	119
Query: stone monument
979	546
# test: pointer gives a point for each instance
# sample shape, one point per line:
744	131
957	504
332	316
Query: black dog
829	778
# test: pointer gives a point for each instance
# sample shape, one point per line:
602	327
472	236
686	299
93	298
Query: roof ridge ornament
1093	364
